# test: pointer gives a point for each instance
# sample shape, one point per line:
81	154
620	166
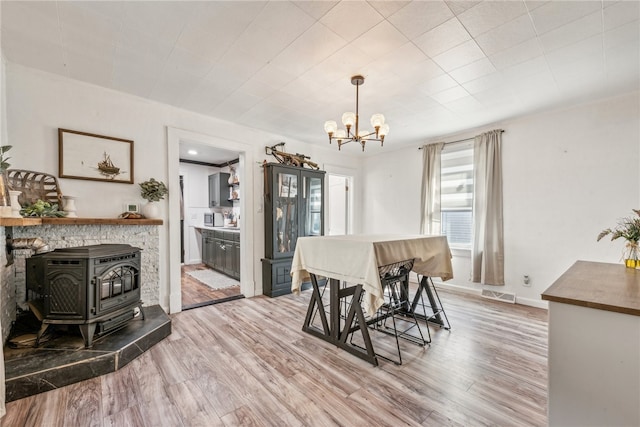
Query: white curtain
430	195
487	256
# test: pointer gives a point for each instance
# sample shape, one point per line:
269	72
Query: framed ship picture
93	157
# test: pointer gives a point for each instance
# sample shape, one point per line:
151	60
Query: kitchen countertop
230	229
603	286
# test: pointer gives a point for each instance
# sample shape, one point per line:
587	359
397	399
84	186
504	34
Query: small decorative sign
93	157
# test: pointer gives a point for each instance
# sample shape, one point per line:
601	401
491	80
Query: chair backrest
34	186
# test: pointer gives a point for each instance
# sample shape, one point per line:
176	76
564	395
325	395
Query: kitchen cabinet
294	206
221	251
219	190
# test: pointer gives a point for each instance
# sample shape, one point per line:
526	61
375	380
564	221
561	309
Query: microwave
213	220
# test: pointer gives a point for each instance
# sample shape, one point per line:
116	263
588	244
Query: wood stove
95	287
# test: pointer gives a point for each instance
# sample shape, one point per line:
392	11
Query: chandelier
351	122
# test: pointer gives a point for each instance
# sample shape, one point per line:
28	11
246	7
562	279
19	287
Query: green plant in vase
153	191
629	229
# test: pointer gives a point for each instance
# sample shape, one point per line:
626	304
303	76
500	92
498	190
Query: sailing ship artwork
95	157
107	168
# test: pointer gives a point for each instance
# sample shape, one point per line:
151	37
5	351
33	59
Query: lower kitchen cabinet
221	251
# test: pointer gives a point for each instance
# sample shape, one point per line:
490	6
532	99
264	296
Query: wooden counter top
16	222
603	286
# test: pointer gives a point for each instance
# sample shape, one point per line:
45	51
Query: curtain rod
460	140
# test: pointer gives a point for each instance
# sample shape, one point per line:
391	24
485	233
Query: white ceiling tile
484	83
380	40
534	4
620	13
442	38
172	87
572	32
86	20
36	53
216	17
39	21
473	71
507	35
437	84
464	105
206	44
622	35
89	69
237	63
147	46
208	94
162	20
490	14
459	56
309	50
408	54
183	61
554	14
340	19
387	8
112	10
266	37
449	95
520	72
536	89
623	65
459	6
421	72
316	9
591	47
131	80
236	104
517	54
87	45
419	17
496	96
341	65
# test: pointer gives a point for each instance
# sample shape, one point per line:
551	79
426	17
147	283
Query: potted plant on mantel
152	191
629	229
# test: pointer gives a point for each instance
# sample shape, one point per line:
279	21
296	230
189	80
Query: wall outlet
526	281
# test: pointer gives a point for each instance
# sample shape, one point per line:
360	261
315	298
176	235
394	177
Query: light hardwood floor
194	292
247	362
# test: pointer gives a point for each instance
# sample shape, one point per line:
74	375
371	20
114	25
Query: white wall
39	103
567	175
196	203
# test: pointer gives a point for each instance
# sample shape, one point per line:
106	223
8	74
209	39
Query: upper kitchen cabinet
294	207
219	190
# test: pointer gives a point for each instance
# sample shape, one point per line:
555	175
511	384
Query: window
456	198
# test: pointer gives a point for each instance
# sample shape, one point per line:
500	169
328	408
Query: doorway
339	204
177	139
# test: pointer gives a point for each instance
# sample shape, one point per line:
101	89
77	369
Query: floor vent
499	296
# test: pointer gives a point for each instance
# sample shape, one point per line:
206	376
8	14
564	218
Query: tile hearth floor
63	360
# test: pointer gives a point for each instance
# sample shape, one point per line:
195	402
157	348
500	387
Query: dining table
356	266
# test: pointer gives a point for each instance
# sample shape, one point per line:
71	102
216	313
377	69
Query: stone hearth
64	360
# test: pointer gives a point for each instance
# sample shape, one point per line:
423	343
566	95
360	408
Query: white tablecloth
356	258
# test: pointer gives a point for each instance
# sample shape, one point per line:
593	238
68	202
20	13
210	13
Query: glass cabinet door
312	203
286	225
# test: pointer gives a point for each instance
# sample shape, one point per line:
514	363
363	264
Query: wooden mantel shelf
25	222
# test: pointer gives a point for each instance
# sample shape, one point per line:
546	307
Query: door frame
351	174
247	280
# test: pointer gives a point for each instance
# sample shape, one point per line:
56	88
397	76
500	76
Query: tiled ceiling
432	67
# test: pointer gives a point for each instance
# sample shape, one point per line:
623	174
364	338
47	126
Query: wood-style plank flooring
247	362
195	292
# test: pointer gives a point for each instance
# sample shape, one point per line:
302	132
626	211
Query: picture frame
93	157
131	207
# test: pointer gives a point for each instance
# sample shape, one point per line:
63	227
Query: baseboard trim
465	289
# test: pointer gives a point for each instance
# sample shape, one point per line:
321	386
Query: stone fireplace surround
26	374
67	233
